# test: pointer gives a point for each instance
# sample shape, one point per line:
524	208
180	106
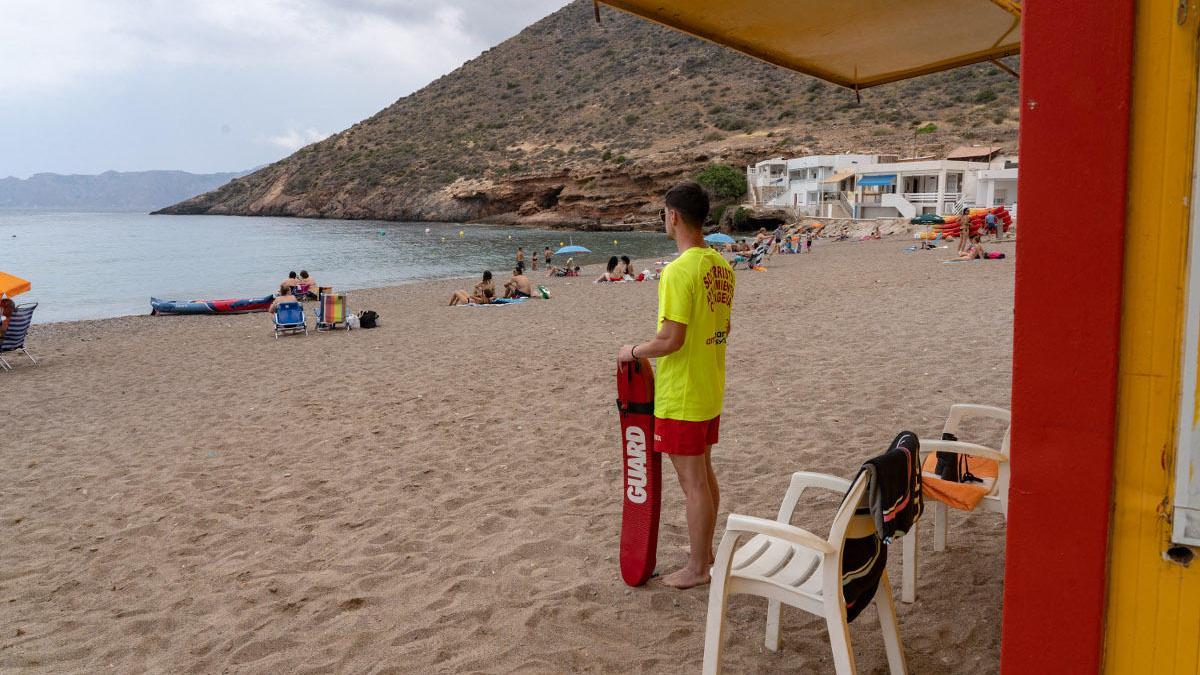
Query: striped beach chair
14	336
332	311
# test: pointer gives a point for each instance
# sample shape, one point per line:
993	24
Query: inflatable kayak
234	306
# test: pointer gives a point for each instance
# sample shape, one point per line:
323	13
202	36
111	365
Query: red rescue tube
641	487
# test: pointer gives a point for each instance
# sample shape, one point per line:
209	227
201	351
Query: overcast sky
218	85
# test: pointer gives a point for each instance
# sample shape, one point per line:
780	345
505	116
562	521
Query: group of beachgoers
518	287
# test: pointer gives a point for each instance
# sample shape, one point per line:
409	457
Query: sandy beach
442	494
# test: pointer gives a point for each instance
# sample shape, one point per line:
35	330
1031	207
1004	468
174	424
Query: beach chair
991	495
332	311
289	319
14	335
302	290
789	565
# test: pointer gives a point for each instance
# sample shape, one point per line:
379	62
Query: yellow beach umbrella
10	285
854	43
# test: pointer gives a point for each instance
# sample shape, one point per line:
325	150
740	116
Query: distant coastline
109	191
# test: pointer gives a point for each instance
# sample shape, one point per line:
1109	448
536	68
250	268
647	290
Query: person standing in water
695	297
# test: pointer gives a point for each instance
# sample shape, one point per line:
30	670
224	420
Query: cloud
45	46
202	85
293	139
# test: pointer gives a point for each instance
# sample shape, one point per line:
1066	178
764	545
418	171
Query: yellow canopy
10	285
854	43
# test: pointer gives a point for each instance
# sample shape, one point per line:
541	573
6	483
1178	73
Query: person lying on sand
481	294
285	295
518	286
556	271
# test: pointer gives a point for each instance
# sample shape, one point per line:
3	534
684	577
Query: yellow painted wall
1153	615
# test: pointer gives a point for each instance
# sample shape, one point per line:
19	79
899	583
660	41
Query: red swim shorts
679	437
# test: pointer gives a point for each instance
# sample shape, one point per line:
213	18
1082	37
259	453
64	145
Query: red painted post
1076	60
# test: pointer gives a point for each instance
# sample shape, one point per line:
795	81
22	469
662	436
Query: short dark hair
518	270
690	201
487	275
303	274
292	274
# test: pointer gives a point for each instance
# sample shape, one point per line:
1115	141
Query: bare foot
685	578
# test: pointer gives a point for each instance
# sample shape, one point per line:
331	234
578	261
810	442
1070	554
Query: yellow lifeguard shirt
696	289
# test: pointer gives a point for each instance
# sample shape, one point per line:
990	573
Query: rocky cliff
579	124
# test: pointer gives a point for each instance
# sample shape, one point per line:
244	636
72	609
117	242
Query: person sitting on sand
518	286
481	294
309	284
292	280
973	250
626	268
612	273
285	295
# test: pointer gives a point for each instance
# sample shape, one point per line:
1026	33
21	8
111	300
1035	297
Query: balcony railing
930	197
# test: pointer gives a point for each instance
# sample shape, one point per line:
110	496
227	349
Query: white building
880	186
801	183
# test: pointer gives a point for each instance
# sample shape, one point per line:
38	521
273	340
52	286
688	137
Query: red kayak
642	472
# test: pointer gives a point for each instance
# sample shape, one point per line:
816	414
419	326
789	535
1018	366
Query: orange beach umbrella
10	285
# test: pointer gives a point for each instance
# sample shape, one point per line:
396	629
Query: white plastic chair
995	501
789	565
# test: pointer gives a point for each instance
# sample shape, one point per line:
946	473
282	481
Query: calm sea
95	265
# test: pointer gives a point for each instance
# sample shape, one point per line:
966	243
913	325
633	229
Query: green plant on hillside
723	182
740	217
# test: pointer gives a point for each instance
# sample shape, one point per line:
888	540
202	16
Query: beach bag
952	466
368	319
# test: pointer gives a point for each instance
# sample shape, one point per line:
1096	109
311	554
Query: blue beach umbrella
573	248
719	238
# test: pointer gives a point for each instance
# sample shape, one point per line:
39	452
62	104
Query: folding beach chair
794	567
14	336
332	311
289	319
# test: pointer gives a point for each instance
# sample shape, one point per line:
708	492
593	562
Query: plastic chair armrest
965	410
929	445
778	530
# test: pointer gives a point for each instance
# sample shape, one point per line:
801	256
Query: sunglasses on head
662	215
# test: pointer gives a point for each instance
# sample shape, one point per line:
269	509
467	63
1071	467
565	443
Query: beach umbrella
572	248
853	43
719	238
10	285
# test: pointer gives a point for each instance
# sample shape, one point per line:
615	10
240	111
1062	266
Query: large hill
132	190
574	123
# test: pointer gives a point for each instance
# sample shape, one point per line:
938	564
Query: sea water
104	264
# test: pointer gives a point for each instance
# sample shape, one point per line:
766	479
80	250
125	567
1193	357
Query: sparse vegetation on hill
575	123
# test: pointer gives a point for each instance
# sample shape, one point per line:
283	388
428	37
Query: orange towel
962	496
